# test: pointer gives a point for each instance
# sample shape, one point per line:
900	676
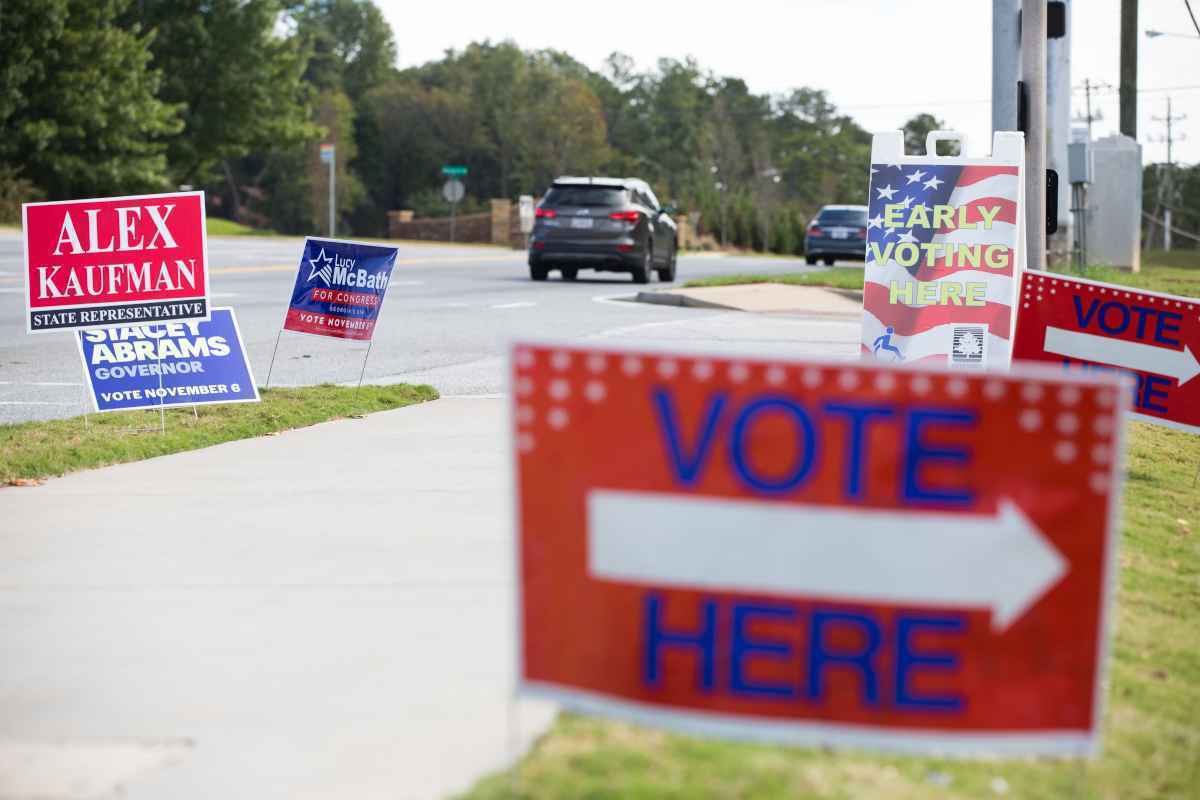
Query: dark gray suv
605	224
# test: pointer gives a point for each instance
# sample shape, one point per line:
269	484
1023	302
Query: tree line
109	97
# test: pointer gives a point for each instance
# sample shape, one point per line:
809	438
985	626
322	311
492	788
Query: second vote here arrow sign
817	553
1088	326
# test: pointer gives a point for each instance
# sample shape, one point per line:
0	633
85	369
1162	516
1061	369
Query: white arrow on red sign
1179	364
1001	562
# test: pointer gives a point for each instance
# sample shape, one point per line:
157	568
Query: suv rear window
586	196
842	216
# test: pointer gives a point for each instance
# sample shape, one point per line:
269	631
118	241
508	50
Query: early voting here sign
1089	326
174	364
817	553
339	289
944	249
115	261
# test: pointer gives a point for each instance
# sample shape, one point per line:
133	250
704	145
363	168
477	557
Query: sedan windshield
843	216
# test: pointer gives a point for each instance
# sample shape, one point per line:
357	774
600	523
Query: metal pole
1006	60
83	367
1129	60
332	192
1058	128
1033	74
364	366
272	365
162	413
453	207
1083	224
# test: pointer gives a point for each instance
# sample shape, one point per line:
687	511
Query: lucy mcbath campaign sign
115	261
1089	326
815	553
173	364
339	289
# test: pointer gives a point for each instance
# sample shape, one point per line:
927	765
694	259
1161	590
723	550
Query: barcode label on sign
968	347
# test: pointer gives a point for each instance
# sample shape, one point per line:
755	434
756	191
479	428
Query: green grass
1151	729
1156	278
1177	272
1187	259
837	278
36	450
227	227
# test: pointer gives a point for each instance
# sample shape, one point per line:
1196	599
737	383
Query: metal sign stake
83	368
272	365
162	414
364	366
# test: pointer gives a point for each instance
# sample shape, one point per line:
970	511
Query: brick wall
467	228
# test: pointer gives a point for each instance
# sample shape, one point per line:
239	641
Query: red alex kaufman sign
1088	326
845	554
115	261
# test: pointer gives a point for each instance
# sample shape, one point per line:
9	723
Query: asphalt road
450	314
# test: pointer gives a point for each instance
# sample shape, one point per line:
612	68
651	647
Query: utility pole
1166	186
1088	87
1033	76
1006	64
1129	60
1058	120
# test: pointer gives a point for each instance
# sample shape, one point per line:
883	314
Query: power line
1111	90
1089	87
1166	186
1193	16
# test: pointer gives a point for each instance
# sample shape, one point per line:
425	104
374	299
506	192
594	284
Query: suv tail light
860	233
625	216
815	230
545	213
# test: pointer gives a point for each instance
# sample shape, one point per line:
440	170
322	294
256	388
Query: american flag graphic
908	330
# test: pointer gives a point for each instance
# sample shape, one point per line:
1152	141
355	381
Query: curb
666	298
670	299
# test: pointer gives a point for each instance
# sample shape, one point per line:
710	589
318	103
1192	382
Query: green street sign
450	169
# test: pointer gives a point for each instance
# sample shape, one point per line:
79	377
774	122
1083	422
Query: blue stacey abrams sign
168	364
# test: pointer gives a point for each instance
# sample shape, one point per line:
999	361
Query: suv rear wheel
667	274
537	272
641	273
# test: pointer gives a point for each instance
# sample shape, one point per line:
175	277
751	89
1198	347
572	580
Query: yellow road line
292	267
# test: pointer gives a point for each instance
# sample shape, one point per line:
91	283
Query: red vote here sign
817	553
1089	326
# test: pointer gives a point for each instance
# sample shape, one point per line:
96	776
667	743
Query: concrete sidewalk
323	614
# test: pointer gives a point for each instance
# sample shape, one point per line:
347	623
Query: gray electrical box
1079	162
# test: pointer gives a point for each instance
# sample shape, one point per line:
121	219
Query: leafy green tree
783	233
79	102
406	132
918	127
235	79
564	127
352	46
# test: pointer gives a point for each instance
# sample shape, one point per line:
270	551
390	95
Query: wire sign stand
339	290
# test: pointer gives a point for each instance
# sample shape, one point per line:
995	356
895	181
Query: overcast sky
881	61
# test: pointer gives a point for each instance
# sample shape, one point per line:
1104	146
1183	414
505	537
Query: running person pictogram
884	342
